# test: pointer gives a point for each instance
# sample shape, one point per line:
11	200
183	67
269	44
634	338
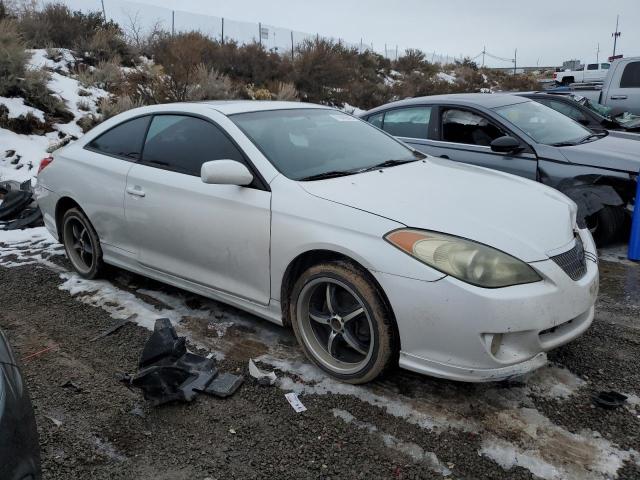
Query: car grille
573	261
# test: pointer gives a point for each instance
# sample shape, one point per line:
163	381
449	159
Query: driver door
214	235
465	135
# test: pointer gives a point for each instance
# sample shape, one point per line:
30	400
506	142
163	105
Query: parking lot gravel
402	426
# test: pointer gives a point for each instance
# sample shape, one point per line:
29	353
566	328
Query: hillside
92	69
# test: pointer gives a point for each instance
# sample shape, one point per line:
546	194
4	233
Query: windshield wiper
387	163
593	136
331	174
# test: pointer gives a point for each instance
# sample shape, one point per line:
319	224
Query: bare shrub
13	58
87	122
110	108
83	105
56	26
324	71
107	75
286	92
181	56
209	85
147	84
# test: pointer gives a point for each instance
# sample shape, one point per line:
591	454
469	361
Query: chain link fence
144	18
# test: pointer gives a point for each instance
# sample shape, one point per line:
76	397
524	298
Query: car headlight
465	260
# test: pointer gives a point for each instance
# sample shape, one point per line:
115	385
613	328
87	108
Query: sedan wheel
341	322
81	244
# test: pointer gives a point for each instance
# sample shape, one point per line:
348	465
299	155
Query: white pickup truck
620	90
592	72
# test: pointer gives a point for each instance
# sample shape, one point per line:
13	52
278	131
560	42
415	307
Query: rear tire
82	244
606	224
342	322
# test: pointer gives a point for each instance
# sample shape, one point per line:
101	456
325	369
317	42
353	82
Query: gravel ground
401	426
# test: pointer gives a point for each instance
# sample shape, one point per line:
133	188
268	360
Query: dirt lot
401	426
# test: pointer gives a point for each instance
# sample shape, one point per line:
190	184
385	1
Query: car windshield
305	144
543	124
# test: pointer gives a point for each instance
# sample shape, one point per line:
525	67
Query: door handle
444	156
137	191
618	97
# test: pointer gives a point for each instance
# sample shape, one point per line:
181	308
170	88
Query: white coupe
375	254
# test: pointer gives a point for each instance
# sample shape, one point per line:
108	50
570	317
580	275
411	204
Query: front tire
82	244
606	224
342	323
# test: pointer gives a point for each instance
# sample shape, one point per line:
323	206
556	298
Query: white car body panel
471	202
234	244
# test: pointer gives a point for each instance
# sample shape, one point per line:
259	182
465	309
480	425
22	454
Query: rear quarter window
124	140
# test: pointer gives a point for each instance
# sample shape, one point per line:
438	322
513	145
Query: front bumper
454	330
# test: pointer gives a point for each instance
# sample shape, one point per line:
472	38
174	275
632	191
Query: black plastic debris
28	218
14	202
169	373
609	400
114	328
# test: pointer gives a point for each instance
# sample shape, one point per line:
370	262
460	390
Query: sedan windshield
309	144
544	124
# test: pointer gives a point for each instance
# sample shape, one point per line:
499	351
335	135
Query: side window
410	122
183	144
123	140
631	76
463	126
376	119
605	66
566	109
592	66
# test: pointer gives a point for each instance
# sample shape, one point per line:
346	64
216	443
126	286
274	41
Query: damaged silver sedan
375	254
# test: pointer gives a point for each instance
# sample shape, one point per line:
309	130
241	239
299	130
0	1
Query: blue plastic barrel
634	241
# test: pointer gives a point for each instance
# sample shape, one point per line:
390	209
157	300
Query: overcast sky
544	32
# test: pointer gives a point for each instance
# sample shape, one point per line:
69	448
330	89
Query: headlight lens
468	261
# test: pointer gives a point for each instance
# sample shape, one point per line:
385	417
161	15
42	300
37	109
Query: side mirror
225	172
505	144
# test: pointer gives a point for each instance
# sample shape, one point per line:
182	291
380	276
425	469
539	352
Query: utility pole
598	53
173	22
292	47
104	12
396	53
515	60
484	51
615	35
260	33
385	51
222	35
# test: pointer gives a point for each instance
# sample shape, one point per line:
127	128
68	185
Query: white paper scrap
295	402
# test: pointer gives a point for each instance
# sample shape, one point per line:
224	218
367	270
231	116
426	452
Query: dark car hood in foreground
609	152
19	446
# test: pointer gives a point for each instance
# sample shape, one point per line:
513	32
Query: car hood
518	216
612	151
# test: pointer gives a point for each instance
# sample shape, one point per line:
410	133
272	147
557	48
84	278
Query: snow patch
17	108
40	59
445	77
413	450
554	382
351	110
27	247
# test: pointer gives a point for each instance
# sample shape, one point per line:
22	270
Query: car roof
487	100
229	107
